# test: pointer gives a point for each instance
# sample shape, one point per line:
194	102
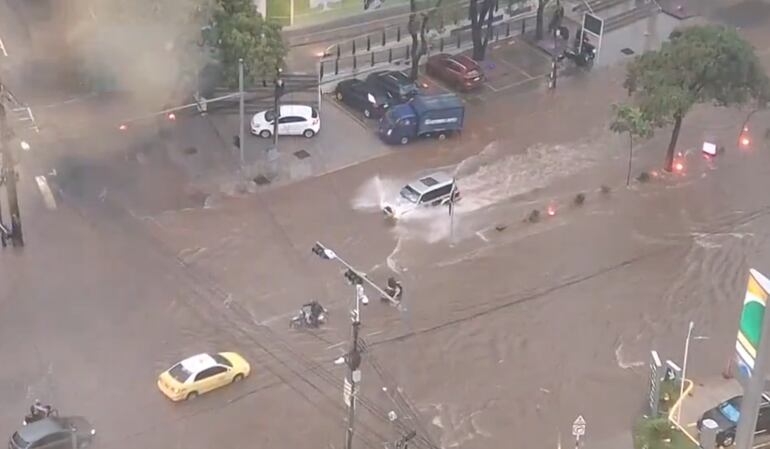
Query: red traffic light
551	211
171	116
678	167
123	127
745	140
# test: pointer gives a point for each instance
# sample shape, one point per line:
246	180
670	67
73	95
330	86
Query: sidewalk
706	394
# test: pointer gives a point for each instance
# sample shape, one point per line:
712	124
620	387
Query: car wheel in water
404	140
192	395
339	96
367	113
442	136
308	133
238	377
727	441
264	134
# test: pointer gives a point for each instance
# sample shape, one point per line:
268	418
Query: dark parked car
459	71
399	87
727	414
71	432
362	96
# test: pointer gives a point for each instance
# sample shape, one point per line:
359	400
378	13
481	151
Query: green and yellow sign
752	318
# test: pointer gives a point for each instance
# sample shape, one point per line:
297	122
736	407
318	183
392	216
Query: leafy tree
630	120
481	13
238	31
697	65
418	29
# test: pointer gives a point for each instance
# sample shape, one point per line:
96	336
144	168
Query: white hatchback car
294	120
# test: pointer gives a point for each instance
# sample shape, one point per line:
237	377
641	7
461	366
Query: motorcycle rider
39	411
313	311
394	289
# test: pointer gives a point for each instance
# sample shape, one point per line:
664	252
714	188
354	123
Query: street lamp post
684	369
8	175
352	273
276	106
242	110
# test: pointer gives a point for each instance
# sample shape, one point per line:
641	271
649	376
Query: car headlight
93	432
390	131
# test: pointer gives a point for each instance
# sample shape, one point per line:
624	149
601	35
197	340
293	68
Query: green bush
658	433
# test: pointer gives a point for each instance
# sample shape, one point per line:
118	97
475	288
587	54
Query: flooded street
537	301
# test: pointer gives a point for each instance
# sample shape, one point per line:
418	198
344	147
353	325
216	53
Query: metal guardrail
449	43
452	15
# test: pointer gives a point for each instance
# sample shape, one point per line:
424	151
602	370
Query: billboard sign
750	328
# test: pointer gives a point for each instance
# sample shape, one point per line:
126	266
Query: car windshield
221	360
410	194
179	373
730	412
270	115
18	440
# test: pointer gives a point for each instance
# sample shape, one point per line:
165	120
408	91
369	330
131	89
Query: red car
459	71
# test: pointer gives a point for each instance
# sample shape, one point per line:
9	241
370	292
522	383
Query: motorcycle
302	319
34	416
585	58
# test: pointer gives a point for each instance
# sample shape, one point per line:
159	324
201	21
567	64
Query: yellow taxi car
202	373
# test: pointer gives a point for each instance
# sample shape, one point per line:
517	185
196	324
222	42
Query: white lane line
45	191
482	236
2	48
336	345
372	334
506	87
514	66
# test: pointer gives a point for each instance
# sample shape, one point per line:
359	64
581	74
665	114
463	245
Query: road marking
517	83
372	334
511	64
2	48
482	236
336	345
45	191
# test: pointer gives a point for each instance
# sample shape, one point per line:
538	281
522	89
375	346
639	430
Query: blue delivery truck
429	115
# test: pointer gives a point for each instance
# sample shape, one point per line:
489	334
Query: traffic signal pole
353	362
8	176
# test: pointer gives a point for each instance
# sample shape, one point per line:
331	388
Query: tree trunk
412	26
473	12
630	157
481	17
672	144
419	35
539	20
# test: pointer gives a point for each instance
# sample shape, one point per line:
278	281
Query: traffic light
353	277
171	116
745	139
322	252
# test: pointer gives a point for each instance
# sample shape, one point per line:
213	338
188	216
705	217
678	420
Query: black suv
398	86
370	100
727	414
71	432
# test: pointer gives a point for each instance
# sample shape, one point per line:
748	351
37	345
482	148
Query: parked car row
405	112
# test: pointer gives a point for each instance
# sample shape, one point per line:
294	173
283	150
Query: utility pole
8	176
403	443
241	136
754	386
278	91
354	376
